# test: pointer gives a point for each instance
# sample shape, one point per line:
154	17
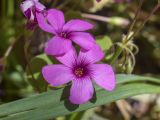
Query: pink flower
81	71
61	43
29	9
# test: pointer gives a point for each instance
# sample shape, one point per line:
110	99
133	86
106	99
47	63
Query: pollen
79	72
63	34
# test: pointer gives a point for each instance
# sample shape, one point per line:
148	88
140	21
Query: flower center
63	34
79	72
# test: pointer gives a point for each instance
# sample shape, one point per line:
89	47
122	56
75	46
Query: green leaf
75	116
51	104
105	42
34	75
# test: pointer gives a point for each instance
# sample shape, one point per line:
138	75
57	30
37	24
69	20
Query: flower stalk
130	37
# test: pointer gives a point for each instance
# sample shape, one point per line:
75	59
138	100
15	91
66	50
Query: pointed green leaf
51	104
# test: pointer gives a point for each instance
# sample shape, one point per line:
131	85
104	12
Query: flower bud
29	9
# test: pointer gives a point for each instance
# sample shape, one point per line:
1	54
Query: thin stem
8	51
135	18
28	63
120	49
116	55
145	21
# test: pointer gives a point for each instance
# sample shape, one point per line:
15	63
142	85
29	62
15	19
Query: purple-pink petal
25	5
57	75
94	55
104	76
69	58
56	19
84	40
35	0
29	14
58	46
77	25
39	6
81	91
42	22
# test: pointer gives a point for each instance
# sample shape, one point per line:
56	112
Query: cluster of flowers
79	69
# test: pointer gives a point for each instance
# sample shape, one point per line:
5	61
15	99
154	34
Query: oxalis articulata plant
81	70
76	72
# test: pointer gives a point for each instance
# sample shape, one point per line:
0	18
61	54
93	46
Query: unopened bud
118	21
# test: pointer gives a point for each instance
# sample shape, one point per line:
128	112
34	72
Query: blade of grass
53	97
51	110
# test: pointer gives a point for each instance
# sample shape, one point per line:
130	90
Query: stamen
63	34
79	72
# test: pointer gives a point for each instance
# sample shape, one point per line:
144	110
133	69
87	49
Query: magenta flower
29	9
61	43
81	71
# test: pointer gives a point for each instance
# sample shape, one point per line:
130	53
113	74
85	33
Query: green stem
145	21
27	44
116	55
120	49
135	18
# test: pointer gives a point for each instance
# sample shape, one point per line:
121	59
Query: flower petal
77	25
29	14
81	91
57	75
58	46
25	5
36	0
104	76
56	19
39	6
69	58
84	40
42	22
93	55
